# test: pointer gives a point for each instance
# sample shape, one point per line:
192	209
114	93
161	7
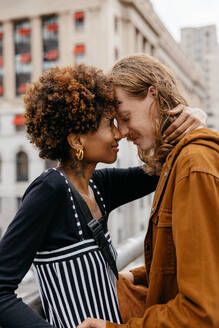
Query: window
79	20
19	201
22	33
1	61
50	30
79	52
207	34
0	169
22	166
116	24
210	126
116	53
150	199
142	227
144	44
19	128
136	38
18	122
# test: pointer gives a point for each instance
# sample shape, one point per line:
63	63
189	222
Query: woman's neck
79	173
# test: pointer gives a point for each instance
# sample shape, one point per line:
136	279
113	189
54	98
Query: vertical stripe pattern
75	282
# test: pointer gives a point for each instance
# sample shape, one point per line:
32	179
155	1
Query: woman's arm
17	251
189	119
120	186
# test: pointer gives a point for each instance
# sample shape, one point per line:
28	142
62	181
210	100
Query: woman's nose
117	133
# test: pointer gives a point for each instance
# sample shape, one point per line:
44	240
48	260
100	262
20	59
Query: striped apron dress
75	282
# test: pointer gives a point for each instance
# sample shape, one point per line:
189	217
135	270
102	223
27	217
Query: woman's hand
92	323
127	275
189	119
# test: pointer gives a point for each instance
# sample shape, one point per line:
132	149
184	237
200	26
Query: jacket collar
203	137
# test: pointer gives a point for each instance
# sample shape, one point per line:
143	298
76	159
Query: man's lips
134	140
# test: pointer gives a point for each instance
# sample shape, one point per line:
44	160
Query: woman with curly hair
181	271
61	226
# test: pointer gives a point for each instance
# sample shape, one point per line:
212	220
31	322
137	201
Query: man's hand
189	119
92	323
127	275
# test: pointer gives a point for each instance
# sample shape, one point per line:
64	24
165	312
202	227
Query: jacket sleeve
196	235
17	250
139	274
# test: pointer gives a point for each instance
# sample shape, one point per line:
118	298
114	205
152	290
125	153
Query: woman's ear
152	91
74	141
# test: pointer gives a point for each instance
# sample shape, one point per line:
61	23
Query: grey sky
176	14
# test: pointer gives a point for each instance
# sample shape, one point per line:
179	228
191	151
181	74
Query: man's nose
117	134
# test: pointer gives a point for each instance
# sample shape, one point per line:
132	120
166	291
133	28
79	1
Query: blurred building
201	45
36	35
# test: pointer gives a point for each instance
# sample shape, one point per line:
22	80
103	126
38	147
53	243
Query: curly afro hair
64	101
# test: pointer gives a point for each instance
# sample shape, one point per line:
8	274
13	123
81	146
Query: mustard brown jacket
182	243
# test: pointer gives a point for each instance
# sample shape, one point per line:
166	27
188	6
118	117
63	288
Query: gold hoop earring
80	154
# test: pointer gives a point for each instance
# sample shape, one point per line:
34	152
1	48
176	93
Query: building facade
36	36
201	45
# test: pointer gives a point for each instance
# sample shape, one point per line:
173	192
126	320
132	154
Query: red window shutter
79	15
79	49
1	90
52	27
24	31
1	35
1	61
18	119
52	55
25	58
22	88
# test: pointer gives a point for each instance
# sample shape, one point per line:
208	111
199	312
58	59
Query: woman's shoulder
48	180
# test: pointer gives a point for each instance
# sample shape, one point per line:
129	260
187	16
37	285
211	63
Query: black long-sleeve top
44	222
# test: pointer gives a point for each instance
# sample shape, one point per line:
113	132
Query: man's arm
136	276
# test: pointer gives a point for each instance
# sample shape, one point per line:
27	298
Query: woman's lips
115	147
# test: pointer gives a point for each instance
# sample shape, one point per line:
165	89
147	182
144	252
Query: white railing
130	250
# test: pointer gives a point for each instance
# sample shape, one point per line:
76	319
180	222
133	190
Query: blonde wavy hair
135	74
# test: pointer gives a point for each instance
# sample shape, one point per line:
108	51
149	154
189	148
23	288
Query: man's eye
125	119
